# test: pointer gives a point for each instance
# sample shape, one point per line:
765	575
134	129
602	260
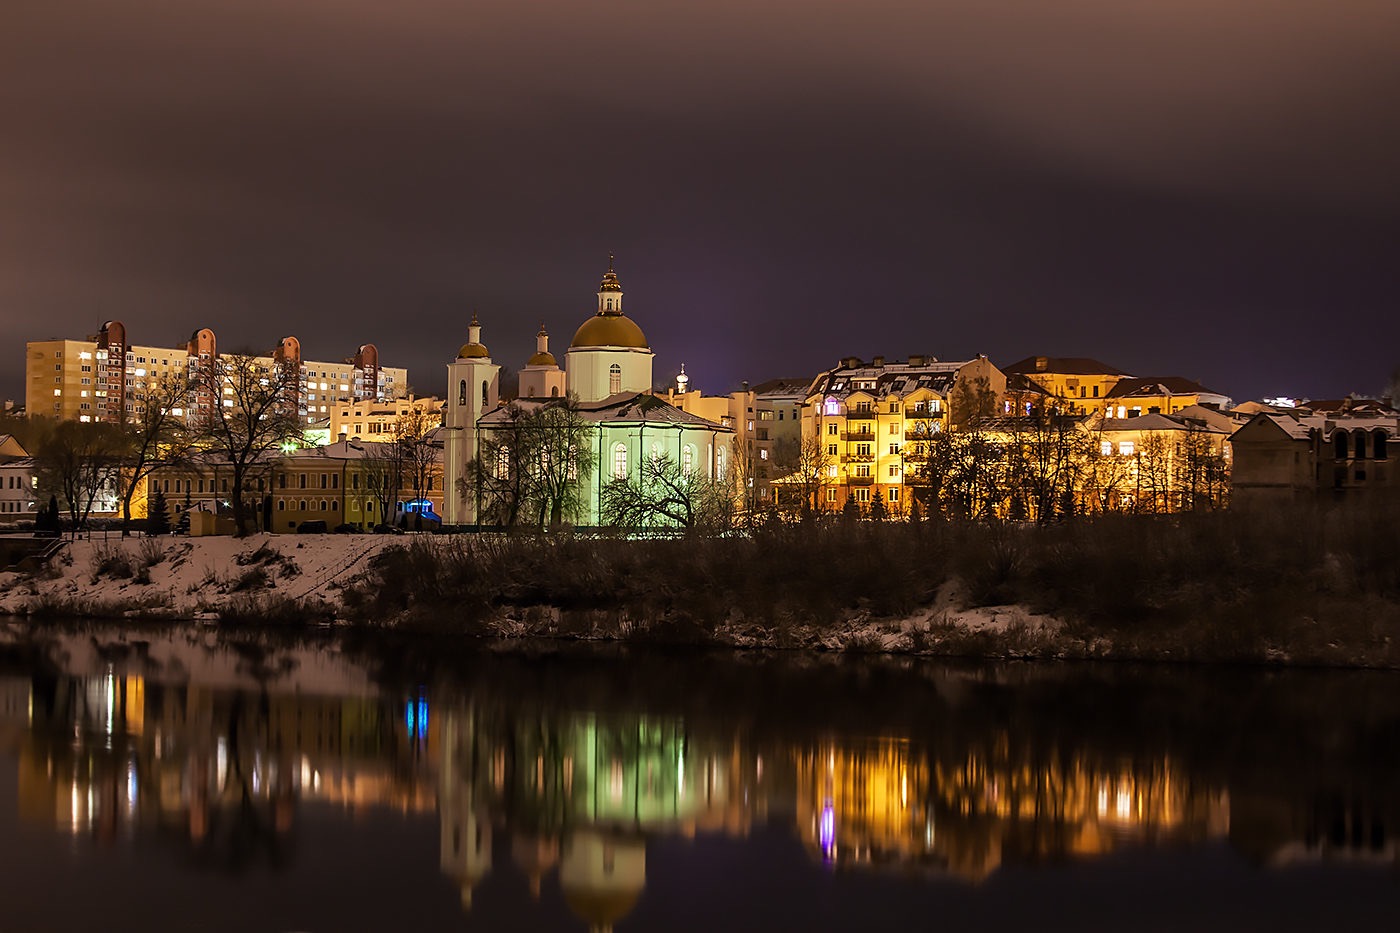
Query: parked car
312	528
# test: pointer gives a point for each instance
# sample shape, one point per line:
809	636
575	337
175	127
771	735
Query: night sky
1202	187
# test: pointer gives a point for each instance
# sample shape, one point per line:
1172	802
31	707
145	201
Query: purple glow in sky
1202	187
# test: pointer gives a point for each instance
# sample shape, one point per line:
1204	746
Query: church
608	373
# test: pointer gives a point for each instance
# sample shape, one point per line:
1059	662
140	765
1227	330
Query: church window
719	462
483	393
1360	445
614	379
620	461
687	459
503	462
554	392
1378	442
655	452
462	392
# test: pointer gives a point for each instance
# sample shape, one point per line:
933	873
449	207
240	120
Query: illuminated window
1125	448
619	469
831	471
687	459
833	407
1106	448
614	379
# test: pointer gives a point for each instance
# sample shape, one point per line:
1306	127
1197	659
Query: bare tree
383	469
158	437
242	413
419	456
559	443
809	472
77	460
662	494
499	477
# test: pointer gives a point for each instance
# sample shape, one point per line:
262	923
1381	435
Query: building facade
607	381
104	378
865	423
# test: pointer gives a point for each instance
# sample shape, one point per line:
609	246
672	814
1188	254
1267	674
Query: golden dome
542	359
610	330
472	351
600	908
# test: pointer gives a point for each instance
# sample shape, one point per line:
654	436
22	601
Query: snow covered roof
624	406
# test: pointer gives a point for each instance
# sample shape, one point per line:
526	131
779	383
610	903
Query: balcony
858	458
860	480
911	411
857	435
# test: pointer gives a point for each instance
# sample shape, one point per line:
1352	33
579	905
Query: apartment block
104	378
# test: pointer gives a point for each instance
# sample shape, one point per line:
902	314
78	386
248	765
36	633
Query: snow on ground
194	575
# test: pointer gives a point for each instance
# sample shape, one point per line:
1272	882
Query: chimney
342	437
916	359
1041	363
878	361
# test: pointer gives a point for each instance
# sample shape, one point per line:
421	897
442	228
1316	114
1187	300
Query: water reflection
567	784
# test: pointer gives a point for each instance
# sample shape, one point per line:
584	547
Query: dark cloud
1201	187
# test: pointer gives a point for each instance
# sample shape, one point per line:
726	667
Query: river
190	779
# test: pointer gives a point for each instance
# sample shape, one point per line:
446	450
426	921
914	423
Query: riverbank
1311	587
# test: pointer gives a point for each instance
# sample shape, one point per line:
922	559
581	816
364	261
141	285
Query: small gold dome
541	359
600	908
610	330
472	351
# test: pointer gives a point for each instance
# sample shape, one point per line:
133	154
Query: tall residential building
105	378
870	419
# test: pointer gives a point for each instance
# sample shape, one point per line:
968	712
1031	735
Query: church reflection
569	799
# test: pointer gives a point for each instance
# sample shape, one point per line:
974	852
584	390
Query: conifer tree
158	515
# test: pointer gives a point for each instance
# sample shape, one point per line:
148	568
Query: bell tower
473	389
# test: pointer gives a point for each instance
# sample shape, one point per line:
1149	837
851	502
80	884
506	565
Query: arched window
554	392
619	461
323	506
614	379
483	393
281	505
687	459
303	505
719	461
1339	441
1378	442
655	451
1360	437
462	393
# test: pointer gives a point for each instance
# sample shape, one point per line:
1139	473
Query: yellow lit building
104	378
1079	384
1160	395
869	419
357	483
376	419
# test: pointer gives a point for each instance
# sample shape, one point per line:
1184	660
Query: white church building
608	370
